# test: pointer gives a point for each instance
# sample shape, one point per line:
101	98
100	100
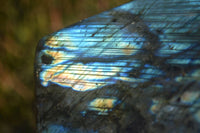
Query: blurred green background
22	24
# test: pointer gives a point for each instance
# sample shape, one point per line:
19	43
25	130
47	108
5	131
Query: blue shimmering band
93	54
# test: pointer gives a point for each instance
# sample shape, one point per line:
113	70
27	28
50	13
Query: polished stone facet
133	69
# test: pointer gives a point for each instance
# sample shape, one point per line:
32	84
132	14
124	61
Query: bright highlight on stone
102	105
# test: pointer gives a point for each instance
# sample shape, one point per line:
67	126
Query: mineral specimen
133	69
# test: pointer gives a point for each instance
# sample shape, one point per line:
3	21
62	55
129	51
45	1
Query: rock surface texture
132	69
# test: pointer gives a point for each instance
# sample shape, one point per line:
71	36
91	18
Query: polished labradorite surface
132	69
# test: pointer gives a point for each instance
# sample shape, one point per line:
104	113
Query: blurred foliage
22	24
